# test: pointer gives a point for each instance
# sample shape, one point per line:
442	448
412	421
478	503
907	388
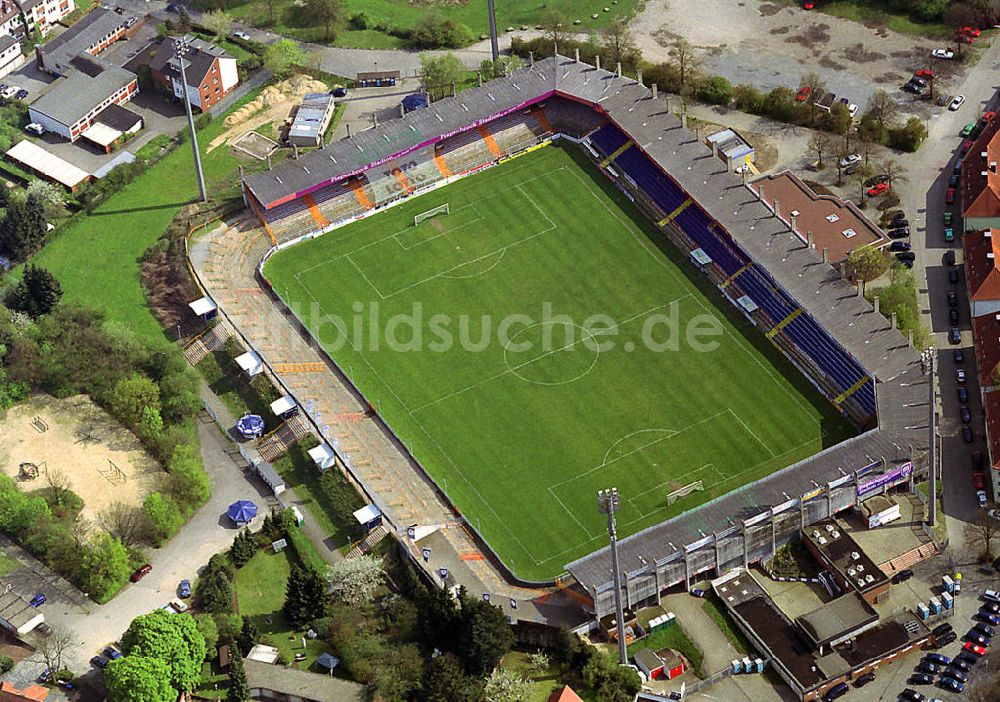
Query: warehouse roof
49	165
80	91
837	618
91	29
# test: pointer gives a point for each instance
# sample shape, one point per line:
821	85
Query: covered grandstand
783	286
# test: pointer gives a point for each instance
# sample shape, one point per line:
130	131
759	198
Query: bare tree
981	532
884	109
817	86
686	63
865	145
820	144
863	173
553	22
59	485
125	522
892	171
54	648
219	23
270	6
619	43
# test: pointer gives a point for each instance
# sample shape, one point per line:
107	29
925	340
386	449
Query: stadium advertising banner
868	468
762	517
695	545
841	480
892	477
813	493
785	506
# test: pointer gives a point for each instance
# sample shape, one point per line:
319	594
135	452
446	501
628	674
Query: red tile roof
566	694
991	405
33	693
986	332
981	193
982	258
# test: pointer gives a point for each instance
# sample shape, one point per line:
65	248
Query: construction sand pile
289	90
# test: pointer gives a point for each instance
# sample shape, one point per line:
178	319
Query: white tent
251	363
322	456
203	306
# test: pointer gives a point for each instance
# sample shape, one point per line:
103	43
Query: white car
242	35
852	109
981	497
849	160
995	513
956	103
943	54
9	92
35	128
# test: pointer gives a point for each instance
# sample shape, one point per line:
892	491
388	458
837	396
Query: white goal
440	209
684	491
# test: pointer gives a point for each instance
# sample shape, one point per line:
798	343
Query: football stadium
549	285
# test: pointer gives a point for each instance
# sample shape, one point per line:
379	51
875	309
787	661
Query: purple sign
896	475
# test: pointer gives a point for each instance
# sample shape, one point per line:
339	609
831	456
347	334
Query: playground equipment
40	425
113	474
27	471
250	426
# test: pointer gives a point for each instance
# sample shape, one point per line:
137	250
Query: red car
987	116
141	573
970	31
803	93
925	73
977	480
966	145
878	189
949	196
975	648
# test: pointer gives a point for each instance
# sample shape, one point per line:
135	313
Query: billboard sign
887	479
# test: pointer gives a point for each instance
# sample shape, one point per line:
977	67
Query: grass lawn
290	20
675	638
260	591
868	11
726	625
8	564
540	368
97	258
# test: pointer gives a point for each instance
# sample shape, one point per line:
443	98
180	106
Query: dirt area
768	45
102	461
276	103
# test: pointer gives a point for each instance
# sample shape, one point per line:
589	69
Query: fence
256	80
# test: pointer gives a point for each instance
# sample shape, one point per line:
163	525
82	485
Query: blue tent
242	511
416	101
250	426
327	662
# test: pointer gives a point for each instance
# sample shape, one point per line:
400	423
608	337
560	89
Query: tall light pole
609	502
493	31
181	48
927	365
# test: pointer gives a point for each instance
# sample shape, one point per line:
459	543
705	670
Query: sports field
561	347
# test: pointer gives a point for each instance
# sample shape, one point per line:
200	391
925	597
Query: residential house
979	186
96	31
10	54
19	17
211	71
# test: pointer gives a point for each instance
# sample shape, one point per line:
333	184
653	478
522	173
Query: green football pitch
541	341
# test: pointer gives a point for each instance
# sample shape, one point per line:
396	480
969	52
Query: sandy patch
103	462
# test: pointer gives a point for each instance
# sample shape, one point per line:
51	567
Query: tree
171	638
355	580
619	44
909	136
981	532
219	23
243	549
817	87
270	6
506	686
432	30
867	263
57	646
892	171
59	485
552	23
439	73
33	227
539	662
820	144
444	681
838	120
686	62
104	567
49	194
163	517
124	522
613	683
239	690
882	110
248	635
325	13
209	631
36	294
716	90
486	635
214	590
139	679
304	596
398	675
282	57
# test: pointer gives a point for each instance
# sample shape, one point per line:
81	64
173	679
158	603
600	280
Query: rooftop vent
849	233
831	218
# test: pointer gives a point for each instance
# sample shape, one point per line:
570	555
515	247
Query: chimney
618	69
859	284
826	255
654	90
744	177
597	62
375	119
909	337
684	120
531	58
402	110
893	320
638	76
348	130
715	145
576	55
479	78
876	304
777	208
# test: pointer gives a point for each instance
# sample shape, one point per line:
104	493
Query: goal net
677	494
440	209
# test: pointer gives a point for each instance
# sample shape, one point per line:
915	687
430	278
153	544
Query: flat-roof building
34	158
730	146
92	34
833	225
311	120
853	570
17	615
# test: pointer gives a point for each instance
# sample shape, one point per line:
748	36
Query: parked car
956	103
899	246
178	605
174	7
865	679
900	233
921	679
35	128
987	116
965	414
8	92
957	356
938	658
953	276
945	639
21	94
38	600
241	35
967	436
899	219
906	256
959	664
947	219
968	129
184	589
698	592
902	576
930	668
951	684
984	629
991	619
949	196
952	298
974	648
339	92
111	653
989	606
978	482
960	376
948	258
966	145
836	692
949	234
100	661
980	494
954	336
991	596
849	159
852	110
938	631
905	262
912	88
875	180
963	396
917	79
953	315
946	54
911	695
803	93
141	573
953	180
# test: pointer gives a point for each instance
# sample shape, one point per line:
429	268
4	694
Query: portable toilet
297	515
669	621
948	584
947	600
747	665
958	583
758	665
923	612
737	666
935	605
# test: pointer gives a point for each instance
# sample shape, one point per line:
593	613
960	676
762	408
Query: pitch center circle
551	353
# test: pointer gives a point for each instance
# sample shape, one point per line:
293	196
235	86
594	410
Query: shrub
6	664
716	90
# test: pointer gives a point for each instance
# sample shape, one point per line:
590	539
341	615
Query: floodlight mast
928	359
181	48
609	502
493	31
